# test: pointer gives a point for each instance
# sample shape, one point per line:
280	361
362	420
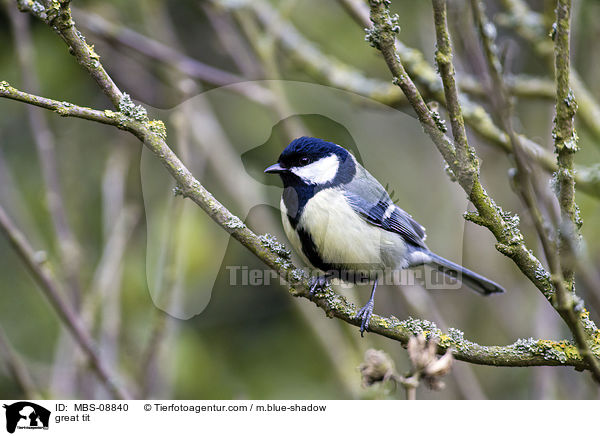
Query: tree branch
443	57
565	140
57	14
565	143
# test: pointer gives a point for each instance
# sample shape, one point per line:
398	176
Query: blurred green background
257	342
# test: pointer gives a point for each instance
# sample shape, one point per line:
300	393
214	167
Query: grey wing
371	201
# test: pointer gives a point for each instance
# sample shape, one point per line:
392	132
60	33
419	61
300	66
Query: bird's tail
473	280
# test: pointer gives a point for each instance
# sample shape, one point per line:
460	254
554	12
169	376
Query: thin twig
42	274
443	57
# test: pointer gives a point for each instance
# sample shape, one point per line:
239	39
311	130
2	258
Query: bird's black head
315	162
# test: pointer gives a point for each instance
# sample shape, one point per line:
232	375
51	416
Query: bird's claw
364	314
318	284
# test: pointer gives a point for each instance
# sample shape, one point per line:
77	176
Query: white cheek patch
319	172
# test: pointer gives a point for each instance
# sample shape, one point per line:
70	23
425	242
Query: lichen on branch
504	226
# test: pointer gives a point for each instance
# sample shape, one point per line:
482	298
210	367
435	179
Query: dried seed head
377	367
421	352
439	367
425	362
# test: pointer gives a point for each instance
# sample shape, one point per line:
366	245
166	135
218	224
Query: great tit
342	222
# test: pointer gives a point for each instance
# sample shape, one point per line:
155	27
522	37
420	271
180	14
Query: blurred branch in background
69	252
52	290
232	41
106	290
336	73
18	368
64	238
518	86
121	37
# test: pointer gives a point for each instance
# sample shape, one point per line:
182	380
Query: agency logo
26	415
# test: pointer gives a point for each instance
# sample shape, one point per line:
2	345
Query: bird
342	222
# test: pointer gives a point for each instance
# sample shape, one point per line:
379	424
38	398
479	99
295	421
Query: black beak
276	169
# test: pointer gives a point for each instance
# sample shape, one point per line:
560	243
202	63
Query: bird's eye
304	161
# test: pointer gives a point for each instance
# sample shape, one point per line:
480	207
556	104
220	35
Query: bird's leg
367	310
318	283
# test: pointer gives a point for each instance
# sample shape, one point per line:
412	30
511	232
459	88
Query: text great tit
342	222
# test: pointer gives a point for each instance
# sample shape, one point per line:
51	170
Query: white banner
156	417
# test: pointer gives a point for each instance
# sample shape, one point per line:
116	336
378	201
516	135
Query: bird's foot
318	283
364	314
